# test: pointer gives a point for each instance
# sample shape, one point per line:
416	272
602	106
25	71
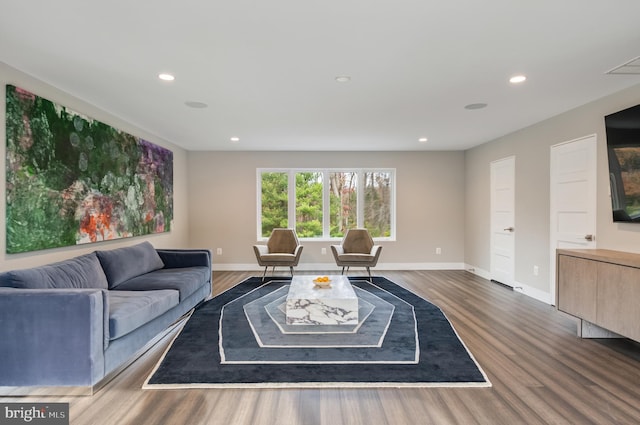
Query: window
377	203
275	202
324	204
309	204
343	206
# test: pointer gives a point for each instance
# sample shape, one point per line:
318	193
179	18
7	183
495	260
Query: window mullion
292	199
360	183
326	218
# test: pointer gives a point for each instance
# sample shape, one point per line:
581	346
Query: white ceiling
266	69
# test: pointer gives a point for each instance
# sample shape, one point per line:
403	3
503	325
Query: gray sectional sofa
72	323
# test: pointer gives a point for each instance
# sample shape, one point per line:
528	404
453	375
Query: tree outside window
309	204
377	203
275	201
343	198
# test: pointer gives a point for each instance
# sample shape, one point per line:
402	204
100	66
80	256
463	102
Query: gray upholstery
61	326
176	258
128	310
79	272
122	264
186	280
52	336
282	250
356	250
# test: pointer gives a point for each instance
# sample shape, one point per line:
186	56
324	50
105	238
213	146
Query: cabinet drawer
618	293
577	286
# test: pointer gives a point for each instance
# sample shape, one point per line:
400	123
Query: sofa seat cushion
121	264
128	310
187	280
79	272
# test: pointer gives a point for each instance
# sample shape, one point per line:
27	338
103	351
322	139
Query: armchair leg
342	270
369	271
291	269
264	273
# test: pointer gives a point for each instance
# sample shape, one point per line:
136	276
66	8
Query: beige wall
531	147
177	238
430	205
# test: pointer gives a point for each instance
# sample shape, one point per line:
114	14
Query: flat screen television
623	149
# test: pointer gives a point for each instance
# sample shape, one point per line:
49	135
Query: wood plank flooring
540	371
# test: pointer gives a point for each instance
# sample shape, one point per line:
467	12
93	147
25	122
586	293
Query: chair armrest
297	253
260	249
375	251
53	336
337	250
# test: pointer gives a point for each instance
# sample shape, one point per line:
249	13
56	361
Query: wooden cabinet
601	287
578	291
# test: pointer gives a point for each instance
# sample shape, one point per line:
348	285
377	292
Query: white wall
531	147
430	205
177	238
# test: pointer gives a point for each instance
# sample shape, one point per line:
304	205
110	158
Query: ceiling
267	70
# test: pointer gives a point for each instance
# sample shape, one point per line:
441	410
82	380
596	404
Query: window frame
326	227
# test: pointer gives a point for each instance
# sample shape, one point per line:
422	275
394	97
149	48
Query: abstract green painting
73	180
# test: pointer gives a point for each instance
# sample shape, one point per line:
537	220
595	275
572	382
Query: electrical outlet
536	270
324	251
438	251
219	251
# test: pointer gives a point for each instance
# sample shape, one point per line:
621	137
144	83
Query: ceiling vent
630	68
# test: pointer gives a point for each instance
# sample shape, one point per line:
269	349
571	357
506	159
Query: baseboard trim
238	267
534	293
477	271
527	290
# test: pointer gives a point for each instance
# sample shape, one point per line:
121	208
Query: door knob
508	229
589	237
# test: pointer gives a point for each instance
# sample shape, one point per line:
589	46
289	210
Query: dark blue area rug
420	348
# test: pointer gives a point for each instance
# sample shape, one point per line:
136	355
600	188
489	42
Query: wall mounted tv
623	148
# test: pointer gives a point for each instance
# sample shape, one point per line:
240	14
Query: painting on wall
74	180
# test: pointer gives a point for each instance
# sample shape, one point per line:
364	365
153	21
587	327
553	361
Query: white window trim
325	199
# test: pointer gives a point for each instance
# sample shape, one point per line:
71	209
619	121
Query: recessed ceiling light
343	78
516	79
166	77
235	139
196	105
472	106
422	140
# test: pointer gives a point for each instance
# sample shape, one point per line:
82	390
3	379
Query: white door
572	198
503	220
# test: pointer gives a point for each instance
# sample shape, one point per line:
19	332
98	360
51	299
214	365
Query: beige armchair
357	249
282	250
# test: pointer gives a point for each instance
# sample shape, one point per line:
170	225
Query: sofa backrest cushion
122	264
79	272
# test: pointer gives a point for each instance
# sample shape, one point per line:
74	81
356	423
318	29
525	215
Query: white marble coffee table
310	305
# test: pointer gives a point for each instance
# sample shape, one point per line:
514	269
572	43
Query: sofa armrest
52	336
177	258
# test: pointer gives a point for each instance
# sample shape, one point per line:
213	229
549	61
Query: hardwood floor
540	371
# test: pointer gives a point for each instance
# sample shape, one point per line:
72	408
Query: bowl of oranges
322	281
